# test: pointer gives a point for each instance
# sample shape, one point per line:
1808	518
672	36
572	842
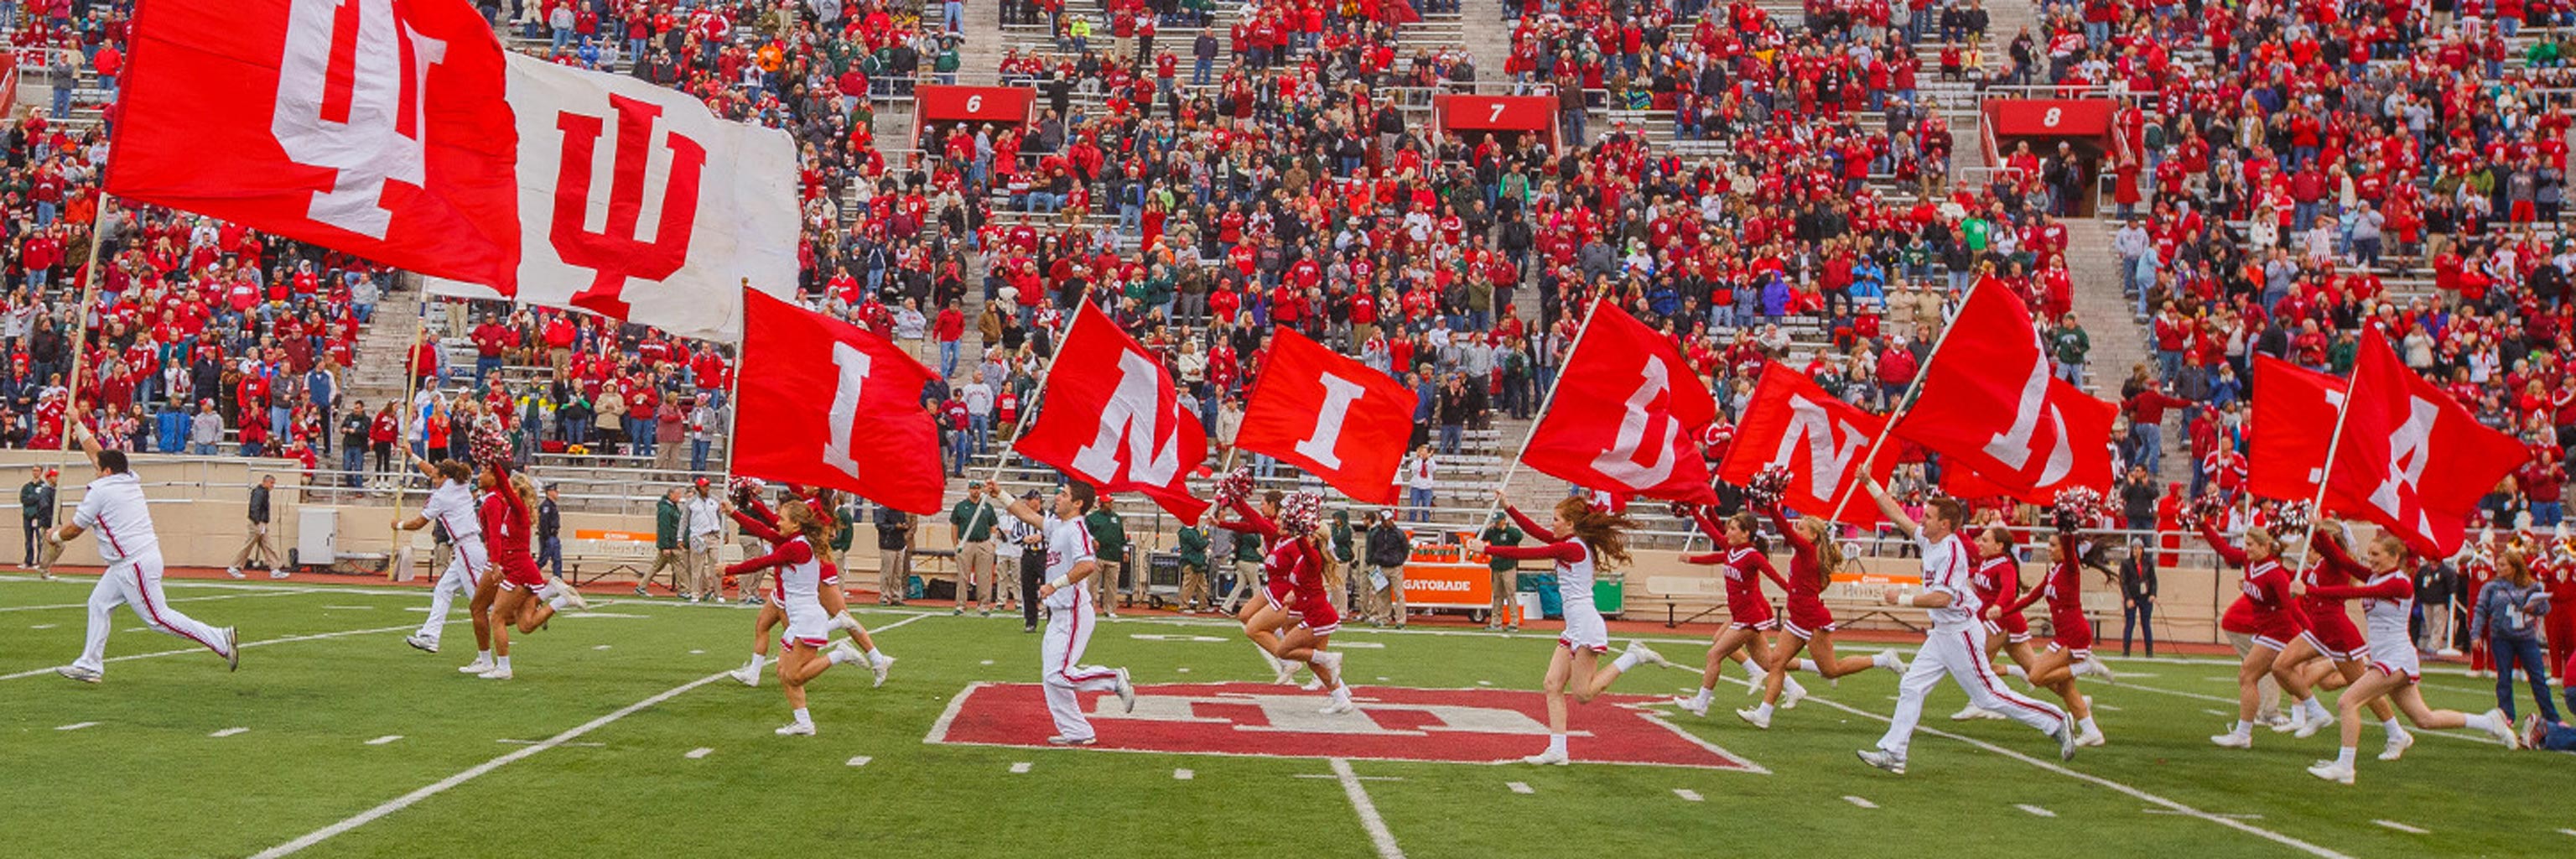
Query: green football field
619	738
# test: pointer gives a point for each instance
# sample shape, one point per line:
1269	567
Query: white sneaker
78	673
2065	737
2232	740
277	575
844	622
2308	727
422	643
571	598
879	665
232	650
2501	726
1312	685
234	572
1331	661
2102	670
844	654
1280	670
1791	693
1340	703
748	675
1755	717
2397	746
1889	660
1071	741
1973	712
478	666
2293	720
1694	705
1646	655
1883	759
1547	758
2276	722
2091	738
796	729
495	674
1126	691
2331	771
2015	671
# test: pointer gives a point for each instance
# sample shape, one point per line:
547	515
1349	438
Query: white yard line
699	752
274	593
384	739
2410	830
1183	775
1369	819
1687	794
1860	802
1519	787
860	761
1021	767
76	726
229	732
2035	811
260	643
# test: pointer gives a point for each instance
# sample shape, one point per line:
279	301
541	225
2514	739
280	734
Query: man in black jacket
258	550
35	511
1388	550
550	533
2138	596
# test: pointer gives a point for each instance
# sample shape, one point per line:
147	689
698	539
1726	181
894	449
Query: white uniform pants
1068	632
458	580
1961	654
137	583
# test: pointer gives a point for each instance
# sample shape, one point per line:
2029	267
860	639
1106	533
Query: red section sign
2049	117
1262	720
1497	112
1009	105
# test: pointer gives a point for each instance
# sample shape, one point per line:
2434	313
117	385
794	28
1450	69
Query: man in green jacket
971	525
2069	344
1194	569
1109	548
1498	617
670	544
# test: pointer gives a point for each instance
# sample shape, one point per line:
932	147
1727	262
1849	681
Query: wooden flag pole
1512	468
403	425
80	320
1903	404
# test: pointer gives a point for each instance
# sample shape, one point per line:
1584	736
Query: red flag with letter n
1626	416
1111	418
2394	427
1822	441
1329	415
1989	403
824	403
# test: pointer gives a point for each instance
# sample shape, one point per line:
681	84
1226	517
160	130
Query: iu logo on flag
614	251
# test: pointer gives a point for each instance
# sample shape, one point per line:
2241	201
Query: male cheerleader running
114	508
1956	645
1068	562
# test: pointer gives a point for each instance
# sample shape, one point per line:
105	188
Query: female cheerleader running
2332	653
756	519
2276	621
1295	620
1579	539
2072	645
1741	556
1813	558
1996	575
526	597
2388	600
799	555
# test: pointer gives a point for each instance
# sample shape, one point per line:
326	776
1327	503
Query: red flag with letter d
826	404
1111	418
2394	427
1329	415
1989	403
1626	416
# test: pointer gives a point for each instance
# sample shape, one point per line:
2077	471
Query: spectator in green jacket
670	544
1499	616
1194	569
1109	547
971	524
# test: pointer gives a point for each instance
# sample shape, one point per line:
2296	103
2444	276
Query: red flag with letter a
1627	415
1989	403
1329	415
1112	419
375	127
824	403
2395	425
2292	421
1822	441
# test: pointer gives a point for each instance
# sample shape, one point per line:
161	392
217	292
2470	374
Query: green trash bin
1609	593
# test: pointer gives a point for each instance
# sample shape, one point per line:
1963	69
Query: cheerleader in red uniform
1996	577
1294	620
2275	621
2332	653
2557	568
799	554
1579	540
2071	647
2387	607
1740	555
1813	559
756	519
525	597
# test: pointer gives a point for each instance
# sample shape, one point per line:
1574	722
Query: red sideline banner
1497	112
975	103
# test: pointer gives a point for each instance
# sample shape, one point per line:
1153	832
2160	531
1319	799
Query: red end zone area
1263	720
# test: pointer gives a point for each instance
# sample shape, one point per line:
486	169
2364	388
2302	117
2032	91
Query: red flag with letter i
824	403
1329	415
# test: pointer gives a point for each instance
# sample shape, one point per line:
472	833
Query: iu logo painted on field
614	252
1455	725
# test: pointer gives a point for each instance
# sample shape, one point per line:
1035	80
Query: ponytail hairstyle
1601	530
2396	547
1744	519
2262	535
801	521
455	471
1829	554
527	490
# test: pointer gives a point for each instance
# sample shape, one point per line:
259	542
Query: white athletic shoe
2308	727
1340	703
1550	757
796	729
1071	741
1889	660
2232	740
1755	717
1791	693
1883	759
1281	671
496	673
572	598
76	672
1126	692
1973	712
844	654
748	675
1693	705
422	643
1312	685
2501	726
232	651
2016	672
478	666
879	665
2065	737
1331	661
2397	746
2102	670
234	572
1646	655
2293	720
843	622
277	575
2277	722
2091	738
2331	771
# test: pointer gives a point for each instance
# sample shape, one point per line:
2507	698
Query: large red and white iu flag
371	126
1989	403
2292	421
1822	441
1111	418
826	404
1626	415
1329	415
636	203
2395	426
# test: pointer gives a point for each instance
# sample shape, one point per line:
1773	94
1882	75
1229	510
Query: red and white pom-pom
745	486
1236	485
2075	508
2207	509
1767	486
1684	510
1300	512
2291	519
487	442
